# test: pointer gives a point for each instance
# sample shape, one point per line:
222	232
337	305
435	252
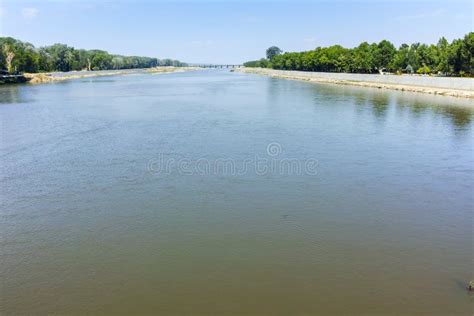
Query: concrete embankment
448	86
61	76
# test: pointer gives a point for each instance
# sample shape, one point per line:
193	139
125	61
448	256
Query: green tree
100	60
9	55
423	70
20	56
443	65
62	56
272	52
362	60
469	46
401	58
383	55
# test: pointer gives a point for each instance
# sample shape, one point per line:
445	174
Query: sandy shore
435	85
61	76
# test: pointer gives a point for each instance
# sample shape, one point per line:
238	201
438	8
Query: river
211	192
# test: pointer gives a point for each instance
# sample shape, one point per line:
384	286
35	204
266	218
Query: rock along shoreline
454	87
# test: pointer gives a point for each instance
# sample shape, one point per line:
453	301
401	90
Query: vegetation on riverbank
17	56
452	59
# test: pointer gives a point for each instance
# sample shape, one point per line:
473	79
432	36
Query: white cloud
29	14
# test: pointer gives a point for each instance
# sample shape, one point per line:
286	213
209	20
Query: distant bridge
219	66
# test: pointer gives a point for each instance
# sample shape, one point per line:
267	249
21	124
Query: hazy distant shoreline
454	87
61	76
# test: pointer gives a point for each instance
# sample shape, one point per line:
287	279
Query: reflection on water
85	228
459	110
10	94
380	103
461	117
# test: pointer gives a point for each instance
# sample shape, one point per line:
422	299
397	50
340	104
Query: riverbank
61	76
455	87
9	79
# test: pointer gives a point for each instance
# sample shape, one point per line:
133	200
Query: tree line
444	58
17	56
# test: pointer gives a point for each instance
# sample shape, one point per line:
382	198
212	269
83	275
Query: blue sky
216	31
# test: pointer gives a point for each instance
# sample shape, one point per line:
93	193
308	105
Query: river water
213	192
